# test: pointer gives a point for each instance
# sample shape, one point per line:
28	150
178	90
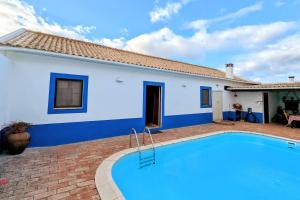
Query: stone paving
68	171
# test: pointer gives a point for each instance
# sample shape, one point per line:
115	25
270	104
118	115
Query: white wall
5	67
252	100
228	100
107	99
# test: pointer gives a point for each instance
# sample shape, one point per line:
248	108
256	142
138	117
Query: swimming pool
231	166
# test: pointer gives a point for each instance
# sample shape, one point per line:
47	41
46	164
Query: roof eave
262	89
61	55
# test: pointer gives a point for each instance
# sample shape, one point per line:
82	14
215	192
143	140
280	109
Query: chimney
229	70
291	79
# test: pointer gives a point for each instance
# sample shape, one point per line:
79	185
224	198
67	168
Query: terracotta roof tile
53	43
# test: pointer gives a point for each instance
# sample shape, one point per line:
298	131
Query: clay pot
17	142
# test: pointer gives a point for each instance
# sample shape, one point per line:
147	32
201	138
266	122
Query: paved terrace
67	172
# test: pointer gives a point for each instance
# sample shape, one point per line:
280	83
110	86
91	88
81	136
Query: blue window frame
205	97
82	80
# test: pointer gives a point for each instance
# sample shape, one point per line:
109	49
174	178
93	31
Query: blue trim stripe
52	88
64	133
176	121
226	115
210	97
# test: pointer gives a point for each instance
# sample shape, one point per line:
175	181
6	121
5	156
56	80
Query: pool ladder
291	145
143	160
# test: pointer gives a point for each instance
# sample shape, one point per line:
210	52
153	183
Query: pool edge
107	188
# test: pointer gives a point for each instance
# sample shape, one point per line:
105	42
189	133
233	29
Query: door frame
266	96
162	102
213	99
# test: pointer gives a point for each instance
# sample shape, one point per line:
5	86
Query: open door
266	108
153	106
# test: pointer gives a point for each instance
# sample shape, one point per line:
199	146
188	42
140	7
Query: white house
72	90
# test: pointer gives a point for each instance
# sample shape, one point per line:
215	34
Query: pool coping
107	188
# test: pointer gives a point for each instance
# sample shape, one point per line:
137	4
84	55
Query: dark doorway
266	108
153	106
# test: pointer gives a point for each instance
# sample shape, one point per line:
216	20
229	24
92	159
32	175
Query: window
68	93
205	97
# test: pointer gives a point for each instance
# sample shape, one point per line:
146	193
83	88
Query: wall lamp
119	80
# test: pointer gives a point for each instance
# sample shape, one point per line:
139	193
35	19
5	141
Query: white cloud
203	23
166	43
248	38
83	29
15	14
274	62
115	43
162	14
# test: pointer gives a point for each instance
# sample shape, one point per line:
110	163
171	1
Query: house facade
72	91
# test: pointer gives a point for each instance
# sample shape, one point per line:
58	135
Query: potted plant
17	137
3	139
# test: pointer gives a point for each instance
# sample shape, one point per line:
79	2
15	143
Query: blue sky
262	38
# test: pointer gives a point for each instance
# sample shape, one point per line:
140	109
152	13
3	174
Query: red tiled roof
57	44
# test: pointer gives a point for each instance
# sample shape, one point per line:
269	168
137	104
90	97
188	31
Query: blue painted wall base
231	115
65	133
176	121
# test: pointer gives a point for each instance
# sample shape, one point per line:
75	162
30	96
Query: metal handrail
147	130
133	131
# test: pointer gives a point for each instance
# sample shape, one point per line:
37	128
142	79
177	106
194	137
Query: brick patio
67	172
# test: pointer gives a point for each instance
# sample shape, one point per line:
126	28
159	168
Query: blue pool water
233	166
